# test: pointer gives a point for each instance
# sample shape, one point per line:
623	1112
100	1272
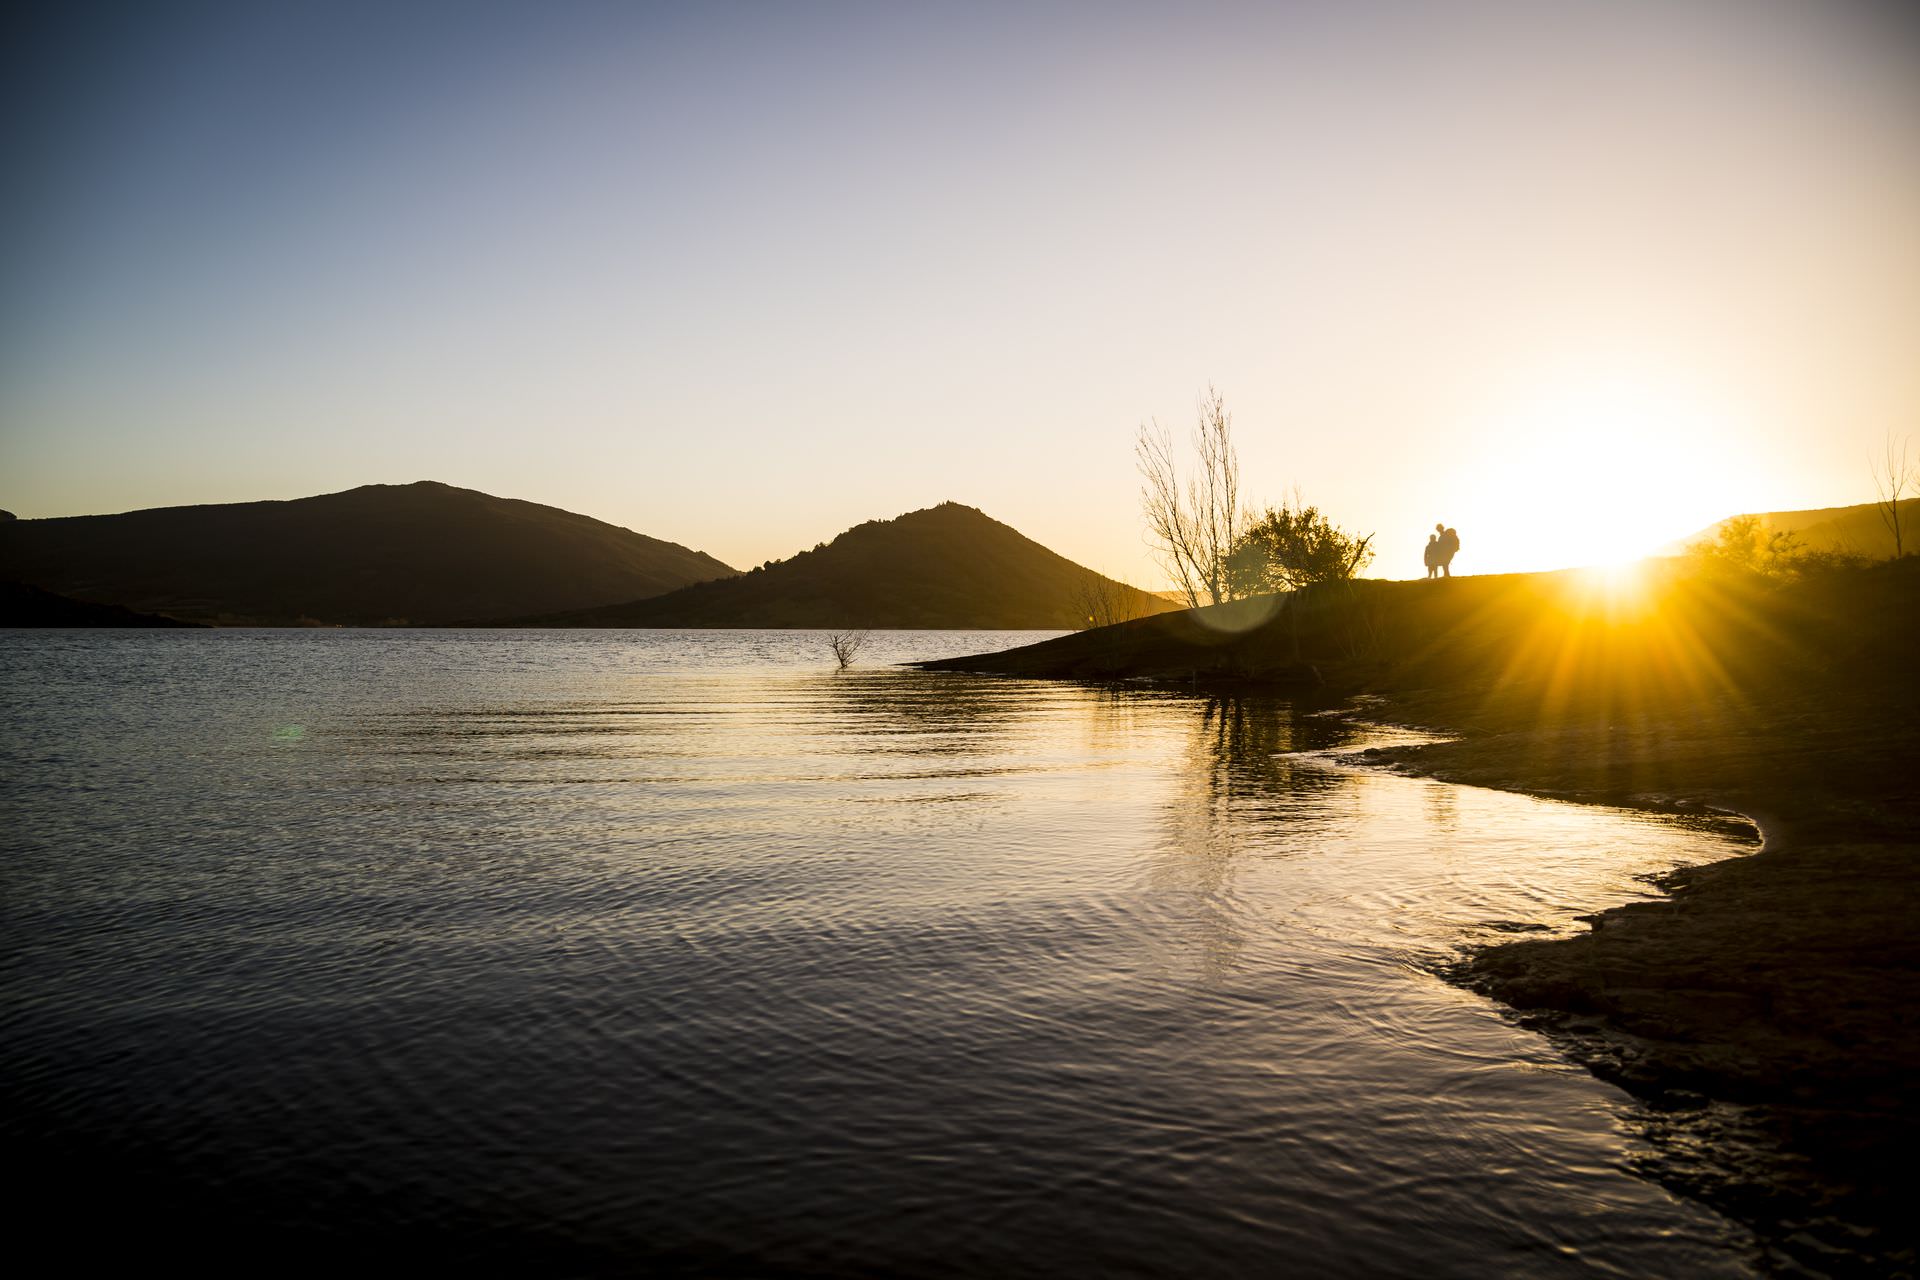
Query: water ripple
677	952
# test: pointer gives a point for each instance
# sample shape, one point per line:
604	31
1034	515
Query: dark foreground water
656	952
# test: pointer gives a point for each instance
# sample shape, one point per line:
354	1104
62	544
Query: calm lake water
656	952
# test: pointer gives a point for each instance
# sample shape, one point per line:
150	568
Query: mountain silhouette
946	566
422	554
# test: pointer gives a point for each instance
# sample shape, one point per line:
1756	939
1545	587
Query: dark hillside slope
1858	530
25	606
1567	638
381	554
946	566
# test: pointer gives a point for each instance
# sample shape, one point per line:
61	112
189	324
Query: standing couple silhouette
1442	545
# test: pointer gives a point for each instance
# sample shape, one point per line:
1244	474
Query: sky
1575	278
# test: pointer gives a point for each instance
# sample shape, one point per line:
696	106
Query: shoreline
1763	1008
1759	1008
1743	1008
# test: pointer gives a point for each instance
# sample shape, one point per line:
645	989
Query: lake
684	953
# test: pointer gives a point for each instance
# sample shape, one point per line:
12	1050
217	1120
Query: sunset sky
1577	278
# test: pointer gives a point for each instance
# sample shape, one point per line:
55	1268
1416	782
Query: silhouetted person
1433	555
1448	544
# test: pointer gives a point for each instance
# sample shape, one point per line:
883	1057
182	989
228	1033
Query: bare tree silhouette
846	645
1894	474
1102	601
1193	523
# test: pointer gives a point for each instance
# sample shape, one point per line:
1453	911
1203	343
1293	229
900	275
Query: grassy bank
1787	980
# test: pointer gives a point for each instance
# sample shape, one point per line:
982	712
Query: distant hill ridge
423	553
945	566
1856	530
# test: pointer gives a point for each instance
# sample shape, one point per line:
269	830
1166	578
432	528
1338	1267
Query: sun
1620	589
1601	473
